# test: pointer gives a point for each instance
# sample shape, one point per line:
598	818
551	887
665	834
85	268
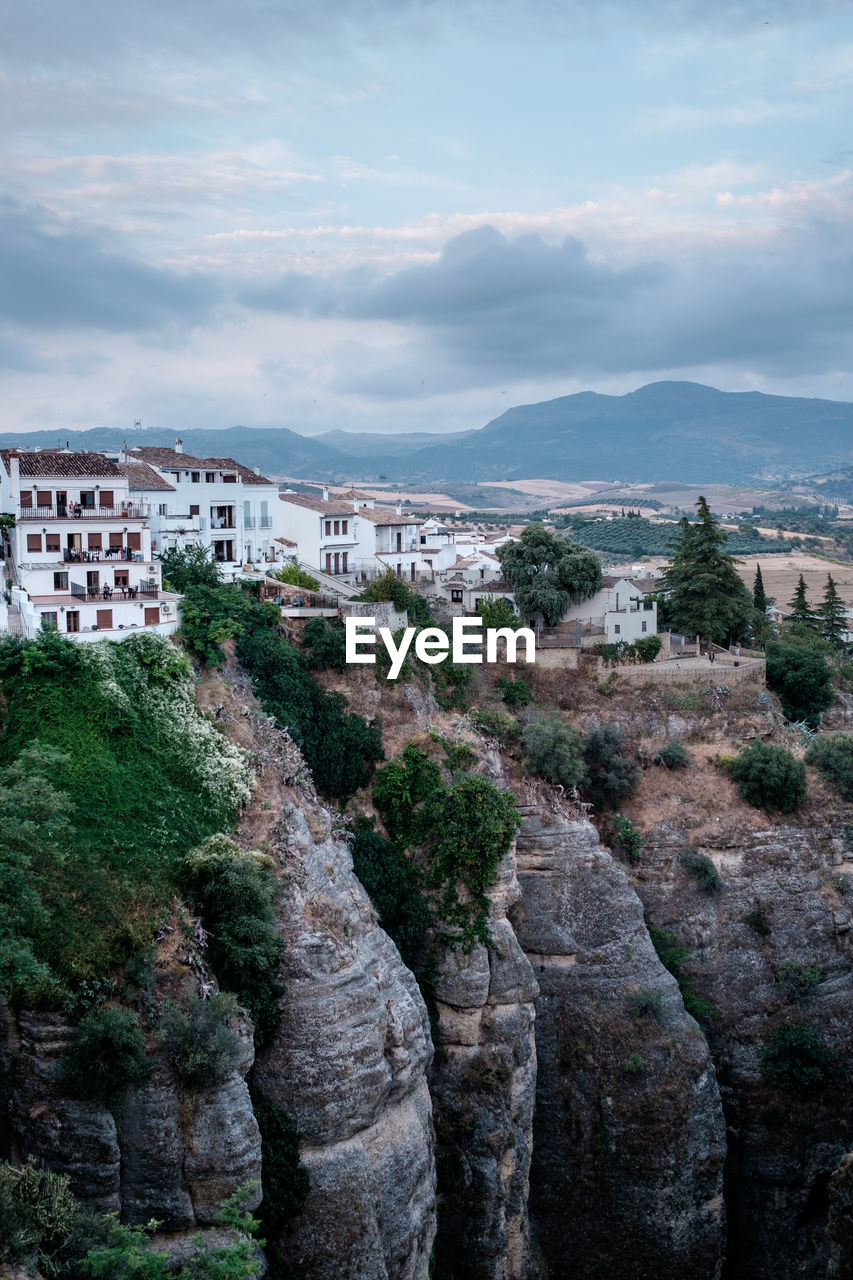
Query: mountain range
664	431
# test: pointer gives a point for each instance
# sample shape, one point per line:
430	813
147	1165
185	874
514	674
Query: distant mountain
666	430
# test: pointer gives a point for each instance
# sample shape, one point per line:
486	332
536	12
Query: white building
620	607
80	555
324	530
210	502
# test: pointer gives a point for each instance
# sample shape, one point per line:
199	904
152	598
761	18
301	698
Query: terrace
127	511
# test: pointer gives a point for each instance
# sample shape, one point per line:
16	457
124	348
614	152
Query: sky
409	215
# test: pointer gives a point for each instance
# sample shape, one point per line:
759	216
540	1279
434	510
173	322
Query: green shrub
295	576
627	838
647	648
672	955
451	682
797	1058
388	587
38	1218
799	980
634	1064
702	869
212	614
392	886
285	1181
757	920
107	1053
554	751
515	693
497	612
832	756
200	1040
325	641
673	755
770	778
234	893
646	1001
802	678
612	771
495	724
185	567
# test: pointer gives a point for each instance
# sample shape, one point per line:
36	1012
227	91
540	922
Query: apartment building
325	531
212	502
80	555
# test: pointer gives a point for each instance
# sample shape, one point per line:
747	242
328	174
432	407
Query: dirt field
780	574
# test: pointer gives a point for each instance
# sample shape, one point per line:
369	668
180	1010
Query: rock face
771	950
628	1136
483	1085
154	1152
349	1062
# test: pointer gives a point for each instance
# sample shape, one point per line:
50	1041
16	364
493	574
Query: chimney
355	505
256	470
399	508
179	445
325	495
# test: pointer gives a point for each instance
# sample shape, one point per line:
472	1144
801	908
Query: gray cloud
54	277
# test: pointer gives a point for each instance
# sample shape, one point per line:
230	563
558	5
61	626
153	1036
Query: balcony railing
264	522
140	591
127	511
104	555
248	522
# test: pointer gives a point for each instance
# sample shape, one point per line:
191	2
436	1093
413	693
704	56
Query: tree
833	758
548	573
759	599
554	751
706	595
801	678
800	608
832	615
770	778
612	769
496	612
189	567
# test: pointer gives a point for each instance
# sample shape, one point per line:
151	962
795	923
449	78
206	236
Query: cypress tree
832	614
759	599
800	607
706	595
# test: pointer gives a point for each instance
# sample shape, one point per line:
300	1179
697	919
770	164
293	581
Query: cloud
60	277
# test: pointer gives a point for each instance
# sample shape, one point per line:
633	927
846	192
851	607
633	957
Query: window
72	620
162	509
412	570
105	619
344	523
195	477
33	542
134	541
195	510
456	596
95	541
152	616
87	498
26	498
106	498
337	528
120	577
209	477
617	630
344	558
93	579
51	542
44	498
49	622
60	582
328	528
328	562
116	539
643	625
229	479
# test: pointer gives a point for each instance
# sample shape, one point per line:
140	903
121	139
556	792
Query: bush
672	955
770	778
515	693
832	756
702	869
554	751
199	1039
391	884
234	892
295	576
627	838
325	640
799	980
451	682
646	1001
757	920
797	1058
613	773
673	755
497	612
185	567
801	678
285	1181
38	1218
504	729
108	1052
647	648
388	587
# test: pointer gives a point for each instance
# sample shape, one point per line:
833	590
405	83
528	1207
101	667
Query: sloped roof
330	507
59	462
171	460
141	477
387	517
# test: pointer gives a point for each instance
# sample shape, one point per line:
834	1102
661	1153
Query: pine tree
706	595
800	608
832	614
759	599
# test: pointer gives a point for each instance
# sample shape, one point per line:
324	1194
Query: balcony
106	555
127	511
141	591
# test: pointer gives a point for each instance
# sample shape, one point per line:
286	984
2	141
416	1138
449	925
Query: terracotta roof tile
58	462
141	477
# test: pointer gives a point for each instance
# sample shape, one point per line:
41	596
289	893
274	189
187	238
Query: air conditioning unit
152	582
167	608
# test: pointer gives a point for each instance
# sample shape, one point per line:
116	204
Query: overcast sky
411	214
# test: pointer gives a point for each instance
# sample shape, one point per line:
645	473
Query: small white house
621	608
